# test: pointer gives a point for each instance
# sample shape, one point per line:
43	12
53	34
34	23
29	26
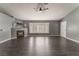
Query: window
38	27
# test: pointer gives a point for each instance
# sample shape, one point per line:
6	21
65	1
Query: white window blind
38	27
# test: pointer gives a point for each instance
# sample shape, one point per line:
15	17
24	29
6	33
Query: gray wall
5	27
54	28
72	30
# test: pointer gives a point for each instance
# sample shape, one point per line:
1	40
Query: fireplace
20	33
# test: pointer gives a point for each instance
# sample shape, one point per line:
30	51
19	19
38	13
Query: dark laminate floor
39	46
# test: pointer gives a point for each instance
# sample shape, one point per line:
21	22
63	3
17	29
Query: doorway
63	28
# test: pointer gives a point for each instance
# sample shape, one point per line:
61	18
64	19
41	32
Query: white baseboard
44	35
53	35
72	39
5	40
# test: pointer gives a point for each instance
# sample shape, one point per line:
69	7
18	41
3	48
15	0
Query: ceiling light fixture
41	7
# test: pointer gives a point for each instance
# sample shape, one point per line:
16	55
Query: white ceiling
26	11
